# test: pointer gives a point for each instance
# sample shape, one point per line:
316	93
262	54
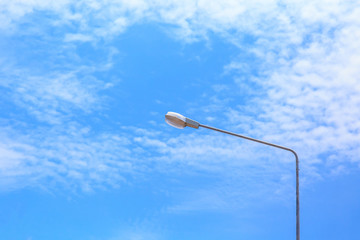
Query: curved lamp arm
179	121
277	146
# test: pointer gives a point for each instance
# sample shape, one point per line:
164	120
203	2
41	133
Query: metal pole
277	146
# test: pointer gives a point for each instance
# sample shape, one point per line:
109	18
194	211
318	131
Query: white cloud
312	95
77	37
51	98
308	55
53	90
48	156
13	11
267	20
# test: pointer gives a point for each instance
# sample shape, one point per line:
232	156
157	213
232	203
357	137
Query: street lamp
179	121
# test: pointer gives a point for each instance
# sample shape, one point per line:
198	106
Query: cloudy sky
84	149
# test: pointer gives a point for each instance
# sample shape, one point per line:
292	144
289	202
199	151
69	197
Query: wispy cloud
77	37
52	97
311	98
71	157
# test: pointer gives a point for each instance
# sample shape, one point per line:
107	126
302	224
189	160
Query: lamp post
179	121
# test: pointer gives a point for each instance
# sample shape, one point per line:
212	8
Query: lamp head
179	121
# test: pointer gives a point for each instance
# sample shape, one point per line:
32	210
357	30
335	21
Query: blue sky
85	152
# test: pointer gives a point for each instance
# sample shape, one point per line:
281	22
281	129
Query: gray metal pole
277	146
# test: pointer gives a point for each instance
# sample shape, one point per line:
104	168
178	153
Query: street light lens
175	120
